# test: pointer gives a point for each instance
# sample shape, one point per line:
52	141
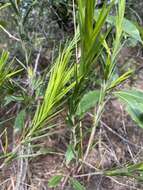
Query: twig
122	184
22	169
12	183
125	131
37	61
5	181
89	174
97	117
10	35
115	133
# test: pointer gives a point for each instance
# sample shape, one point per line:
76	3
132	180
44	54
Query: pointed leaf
54	181
19	121
69	154
77	185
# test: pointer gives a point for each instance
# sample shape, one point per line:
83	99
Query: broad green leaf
133	99
140	28
88	101
128	27
136	113
131	42
131	29
19	121
77	185
69	154
130	96
54	181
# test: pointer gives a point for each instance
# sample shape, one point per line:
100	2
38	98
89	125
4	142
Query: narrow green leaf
130	171
121	79
19	121
77	185
69	154
9	99
15	8
4	6
117	172
136	167
54	181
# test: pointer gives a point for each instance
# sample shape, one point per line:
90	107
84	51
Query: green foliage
76	184
9	99
69	154
68	80
58	86
20	121
133	170
92	42
133	99
88	101
129	28
90	34
54	181
5	68
4	6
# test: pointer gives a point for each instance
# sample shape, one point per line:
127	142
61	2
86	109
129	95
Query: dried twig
10	35
121	137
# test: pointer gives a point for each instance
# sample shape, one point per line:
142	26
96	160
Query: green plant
58	86
132	170
6	71
93	44
67	83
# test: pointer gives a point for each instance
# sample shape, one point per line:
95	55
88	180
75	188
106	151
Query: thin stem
97	116
10	35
